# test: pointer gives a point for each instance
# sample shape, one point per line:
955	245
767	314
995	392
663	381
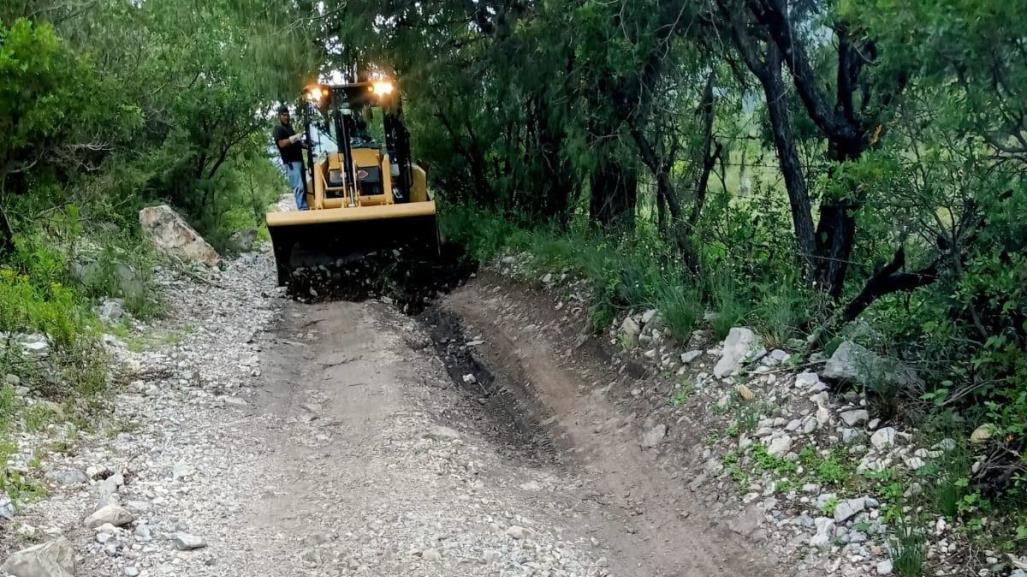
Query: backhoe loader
364	192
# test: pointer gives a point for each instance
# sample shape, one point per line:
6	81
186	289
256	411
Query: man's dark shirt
291	153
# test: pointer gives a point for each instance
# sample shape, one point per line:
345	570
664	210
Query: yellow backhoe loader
364	192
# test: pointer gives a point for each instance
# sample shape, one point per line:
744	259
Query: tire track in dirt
667	531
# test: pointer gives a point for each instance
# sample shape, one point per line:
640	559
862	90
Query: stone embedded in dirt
12	380
806	379
744	392
470	379
825	533
741	344
884	567
243	240
110	310
855	417
67	476
131	572
35	344
780	445
849	508
630	330
187	542
441	433
53	559
516	532
883	438
181	471
690	356
172	235
431	555
648	316
654	436
113	514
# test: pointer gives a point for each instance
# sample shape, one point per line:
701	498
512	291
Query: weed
21	489
38	416
908	549
830	505
681	395
729	308
764	461
681	309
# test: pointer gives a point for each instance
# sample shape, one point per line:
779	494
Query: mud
409	278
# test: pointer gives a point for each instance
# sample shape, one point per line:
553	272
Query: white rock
690	356
779	445
431	555
516	532
113	514
848	509
630	330
741	344
171	234
982	434
648	316
806	380
825	533
883	438
52	559
186	542
855	417
884	567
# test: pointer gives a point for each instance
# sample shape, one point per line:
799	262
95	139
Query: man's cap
283	109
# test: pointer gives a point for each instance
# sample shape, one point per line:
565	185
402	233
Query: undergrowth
634	272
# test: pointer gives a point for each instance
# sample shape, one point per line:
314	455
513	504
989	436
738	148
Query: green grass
908	549
681	395
38	416
635	272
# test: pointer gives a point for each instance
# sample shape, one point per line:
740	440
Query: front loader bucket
318	237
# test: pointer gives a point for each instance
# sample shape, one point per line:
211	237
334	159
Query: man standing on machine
291	150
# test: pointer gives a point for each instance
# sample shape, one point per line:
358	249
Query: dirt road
337	439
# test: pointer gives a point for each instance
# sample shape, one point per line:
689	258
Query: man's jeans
294	172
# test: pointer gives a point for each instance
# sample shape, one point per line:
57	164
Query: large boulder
854	363
172	235
740	345
52	559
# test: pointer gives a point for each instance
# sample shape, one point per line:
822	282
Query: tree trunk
6	234
710	151
614	188
788	159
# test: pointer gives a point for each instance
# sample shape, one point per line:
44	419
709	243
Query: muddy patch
510	414
409	279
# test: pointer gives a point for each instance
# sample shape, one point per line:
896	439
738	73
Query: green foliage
834	469
908	549
681	308
681	395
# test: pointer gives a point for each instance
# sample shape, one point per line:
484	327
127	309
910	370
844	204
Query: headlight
383	88
314	94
